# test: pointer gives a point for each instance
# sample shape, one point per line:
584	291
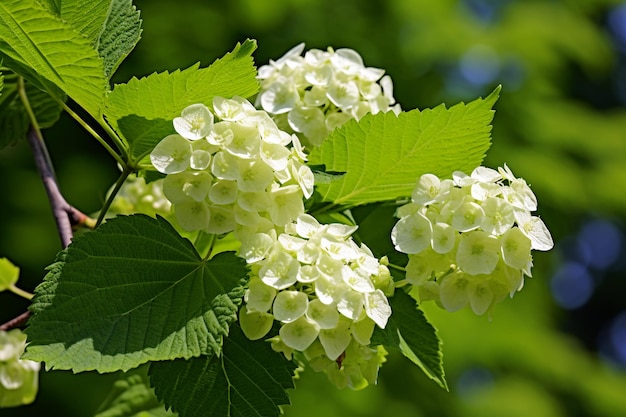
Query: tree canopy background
559	347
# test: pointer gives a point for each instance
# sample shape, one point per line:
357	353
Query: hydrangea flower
231	166
327	292
19	378
314	93
469	238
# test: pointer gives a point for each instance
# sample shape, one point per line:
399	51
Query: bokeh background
558	349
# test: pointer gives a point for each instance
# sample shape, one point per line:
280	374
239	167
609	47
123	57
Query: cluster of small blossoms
469	238
317	92
18	377
237	170
327	292
137	196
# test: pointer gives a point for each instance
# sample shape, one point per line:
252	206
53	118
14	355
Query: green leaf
249	379
85	17
9	274
410	332
143	134
132	397
165	95
121	33
45	49
14	122
384	154
130	292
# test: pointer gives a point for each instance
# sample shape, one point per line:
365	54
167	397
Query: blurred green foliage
560	123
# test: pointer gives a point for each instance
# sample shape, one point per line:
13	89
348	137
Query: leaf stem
397	267
18	291
116	188
95	134
210	251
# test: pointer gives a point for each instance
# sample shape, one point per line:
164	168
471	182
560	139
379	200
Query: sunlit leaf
249	379
164	95
130	292
121	33
384	154
45	49
85	17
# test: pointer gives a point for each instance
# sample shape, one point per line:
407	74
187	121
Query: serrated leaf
45	49
384	154
410	332
121	33
130	292
131	396
85	17
165	95
143	134
249	379
14	122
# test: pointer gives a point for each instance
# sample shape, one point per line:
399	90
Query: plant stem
95	134
16	321
18	291
396	267
118	185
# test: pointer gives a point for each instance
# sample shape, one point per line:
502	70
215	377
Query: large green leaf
113	27
45	49
384	154
410	332
130	292
120	35
249	379
86	17
164	95
14	122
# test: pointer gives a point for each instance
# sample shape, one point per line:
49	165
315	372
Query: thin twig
60	207
15	322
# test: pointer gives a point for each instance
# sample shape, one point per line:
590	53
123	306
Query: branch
60	208
15	322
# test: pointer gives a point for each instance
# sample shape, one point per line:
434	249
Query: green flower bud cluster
18	377
314	93
240	170
469	238
137	196
327	292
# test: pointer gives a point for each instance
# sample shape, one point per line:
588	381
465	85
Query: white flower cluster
18	377
239	170
321	286
469	238
317	92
